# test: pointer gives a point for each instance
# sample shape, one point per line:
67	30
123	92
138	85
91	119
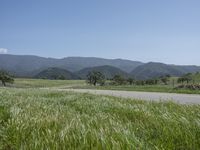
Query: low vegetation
42	119
39	83
188	83
189	87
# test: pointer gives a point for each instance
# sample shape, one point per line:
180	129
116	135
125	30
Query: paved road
180	98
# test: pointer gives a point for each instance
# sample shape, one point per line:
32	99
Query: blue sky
146	30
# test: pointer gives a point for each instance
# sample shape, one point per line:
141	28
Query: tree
180	80
165	79
95	77
151	81
185	78
130	81
61	77
140	82
5	78
117	79
188	77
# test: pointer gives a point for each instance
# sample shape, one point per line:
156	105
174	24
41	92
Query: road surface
151	96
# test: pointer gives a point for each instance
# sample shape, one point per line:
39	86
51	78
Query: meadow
40	83
81	84
32	118
143	88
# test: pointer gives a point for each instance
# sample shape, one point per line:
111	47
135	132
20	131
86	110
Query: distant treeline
98	78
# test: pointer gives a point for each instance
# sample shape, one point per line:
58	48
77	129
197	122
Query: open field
43	119
81	84
36	83
144	88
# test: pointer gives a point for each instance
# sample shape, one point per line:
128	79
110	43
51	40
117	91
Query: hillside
77	63
56	73
108	71
152	70
28	66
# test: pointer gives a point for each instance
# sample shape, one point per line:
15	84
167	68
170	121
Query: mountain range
75	67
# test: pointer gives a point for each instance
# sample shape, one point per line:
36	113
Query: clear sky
146	30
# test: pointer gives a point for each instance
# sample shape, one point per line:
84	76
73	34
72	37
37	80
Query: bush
189	87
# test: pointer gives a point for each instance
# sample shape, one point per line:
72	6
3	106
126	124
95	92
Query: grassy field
81	84
144	88
42	119
169	88
35	83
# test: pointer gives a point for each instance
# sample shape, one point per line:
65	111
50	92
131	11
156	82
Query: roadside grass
142	88
81	84
43	119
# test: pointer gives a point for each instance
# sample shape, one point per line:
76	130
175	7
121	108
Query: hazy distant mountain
26	65
56	73
152	70
108	71
30	66
78	63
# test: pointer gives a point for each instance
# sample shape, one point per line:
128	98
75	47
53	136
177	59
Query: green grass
143	88
41	119
31	83
149	88
38	83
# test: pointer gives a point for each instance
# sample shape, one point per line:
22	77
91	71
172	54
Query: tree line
97	78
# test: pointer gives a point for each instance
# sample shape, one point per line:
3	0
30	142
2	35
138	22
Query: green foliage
189	87
183	79
118	80
165	79
140	82
189	81
151	81
5	77
61	77
95	77
42	119
190	78
131	81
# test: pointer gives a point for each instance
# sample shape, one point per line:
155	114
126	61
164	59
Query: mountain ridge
24	65
30	65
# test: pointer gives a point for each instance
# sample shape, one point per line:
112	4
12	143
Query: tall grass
41	119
